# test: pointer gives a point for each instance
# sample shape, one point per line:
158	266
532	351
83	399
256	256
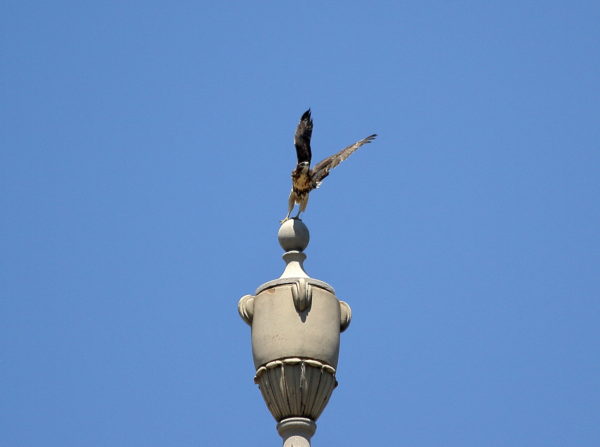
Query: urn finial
293	237
296	323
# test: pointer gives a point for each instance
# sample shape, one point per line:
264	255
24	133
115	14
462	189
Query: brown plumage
305	179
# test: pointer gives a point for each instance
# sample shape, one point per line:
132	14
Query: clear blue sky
145	156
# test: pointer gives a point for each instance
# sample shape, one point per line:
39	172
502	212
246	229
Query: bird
305	179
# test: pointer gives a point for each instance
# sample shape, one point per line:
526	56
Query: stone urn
296	322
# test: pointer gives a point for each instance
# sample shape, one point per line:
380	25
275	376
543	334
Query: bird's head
303	166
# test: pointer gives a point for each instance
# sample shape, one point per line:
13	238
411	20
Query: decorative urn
296	322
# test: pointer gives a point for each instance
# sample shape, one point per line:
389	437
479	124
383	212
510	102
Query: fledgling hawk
304	179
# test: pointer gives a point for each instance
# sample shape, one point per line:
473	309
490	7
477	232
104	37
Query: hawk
305	179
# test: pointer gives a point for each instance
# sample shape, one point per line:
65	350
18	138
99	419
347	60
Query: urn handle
345	315
246	308
302	294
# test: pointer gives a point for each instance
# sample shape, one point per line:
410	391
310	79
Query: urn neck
294	267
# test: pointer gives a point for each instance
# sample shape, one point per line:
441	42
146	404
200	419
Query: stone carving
296	432
345	315
296	322
302	294
296	387
246	308
280	331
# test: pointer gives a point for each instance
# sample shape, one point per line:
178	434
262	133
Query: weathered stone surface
246	308
296	432
279	330
296	322
295	387
293	235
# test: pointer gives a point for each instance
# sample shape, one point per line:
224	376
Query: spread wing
321	170
302	137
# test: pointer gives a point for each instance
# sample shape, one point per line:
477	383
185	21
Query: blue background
146	148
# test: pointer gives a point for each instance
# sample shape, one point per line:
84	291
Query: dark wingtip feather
306	115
